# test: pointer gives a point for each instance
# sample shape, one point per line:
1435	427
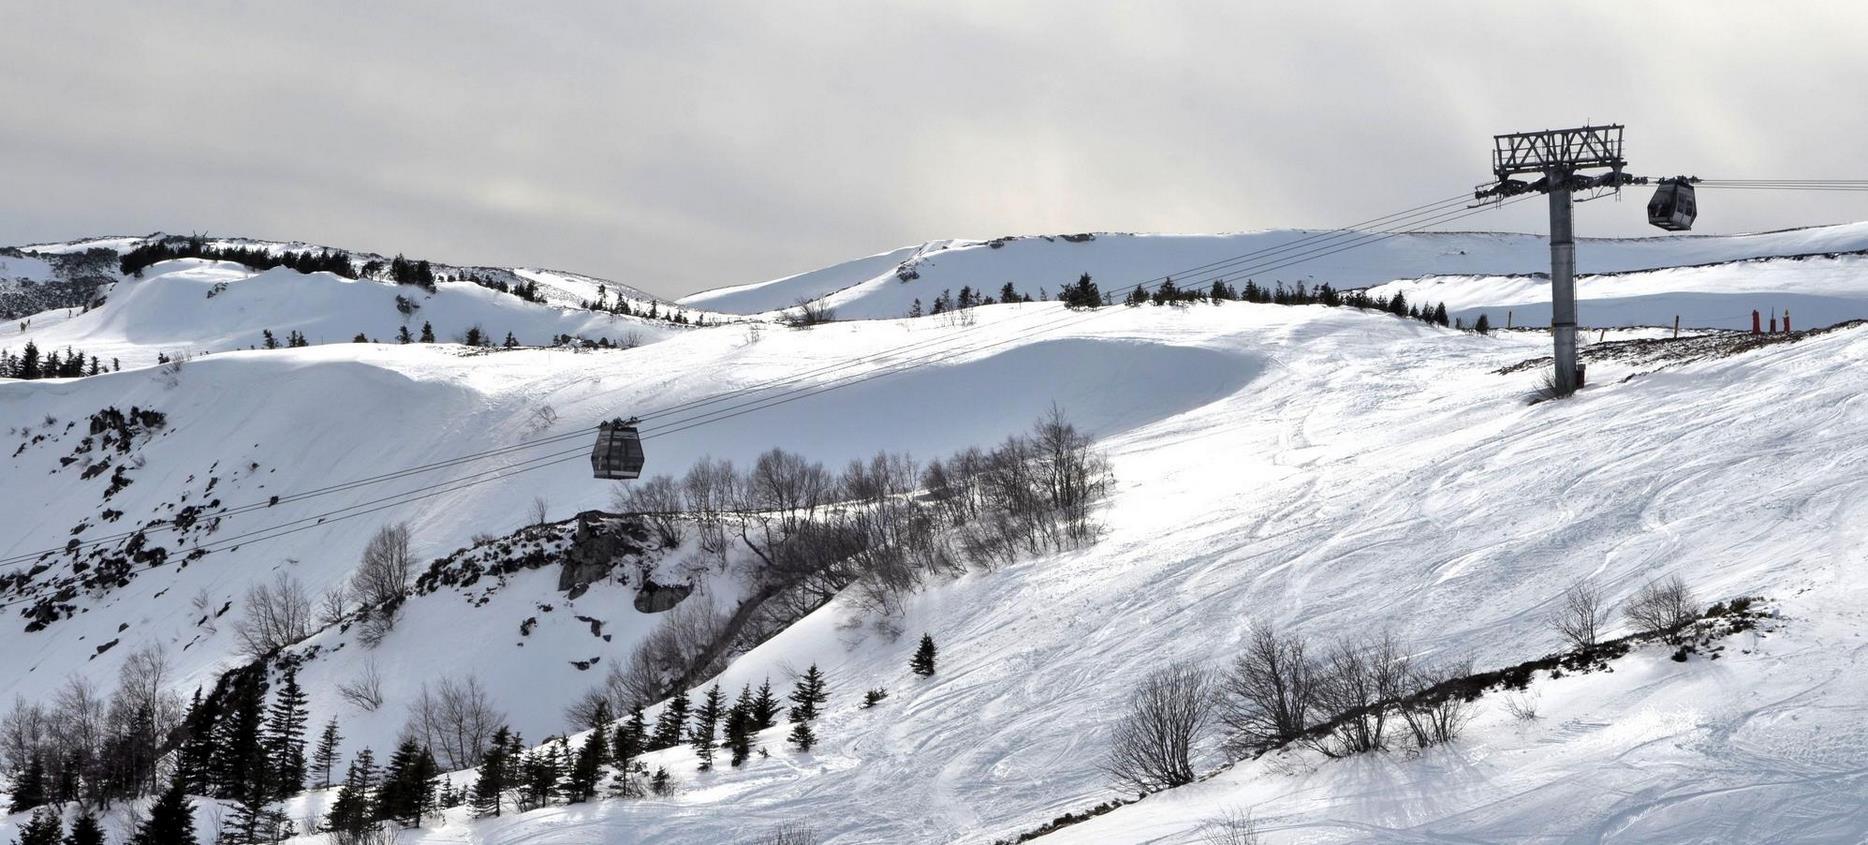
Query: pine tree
270	341
631	739
284	740
408	791
587	768
914	310
807	694
739	726
511	342
764	707
706	727
403	336
802	735
493	776
43	828
1483	325
29	787
661	783
194	766
428	332
239	766
1439	314
85	830
351	813
668	725
473	338
171	819
325	757
1008	293
923	661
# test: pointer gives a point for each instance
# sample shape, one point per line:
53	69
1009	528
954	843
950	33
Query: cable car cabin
618	453
1673	207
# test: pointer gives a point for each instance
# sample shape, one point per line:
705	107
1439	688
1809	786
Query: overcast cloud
678	146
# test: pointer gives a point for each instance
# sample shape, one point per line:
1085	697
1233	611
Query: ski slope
887	284
1329	471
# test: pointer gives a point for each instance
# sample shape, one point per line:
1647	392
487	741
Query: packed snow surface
1328	471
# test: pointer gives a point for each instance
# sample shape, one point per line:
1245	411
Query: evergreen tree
402	335
239	767
802	735
739	726
1483	325
408	791
428	332
325	757
587	768
194	766
473	337
1439	314
706	727
1083	294
661	783
270	342
764	707
491	779
29	787
1008	293
29	362
915	309
171	820
874	697
43	828
631	739
511	342
673	718
85	830
807	694
1398	305
923	661
285	737
350	813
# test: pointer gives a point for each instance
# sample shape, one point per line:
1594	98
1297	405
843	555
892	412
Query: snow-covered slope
887	284
191	305
1326	470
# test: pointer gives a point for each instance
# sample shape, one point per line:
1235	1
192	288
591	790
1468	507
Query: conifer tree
29	787
739	727
764	707
403	336
914	310
43	828
408	791
923	661
511	342
239	767
428	332
587	768
270	342
669	724
706	727
661	783
284	740
807	694
351	813
493	776
1483	325
85	830
631	739
171	819
802	735
1439	314
325	757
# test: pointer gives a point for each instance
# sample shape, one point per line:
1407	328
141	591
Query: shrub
1153	743
1662	608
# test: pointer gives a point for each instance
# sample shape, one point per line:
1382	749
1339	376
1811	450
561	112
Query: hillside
1329	471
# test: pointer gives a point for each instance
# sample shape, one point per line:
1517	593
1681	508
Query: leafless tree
455	719
333	605
710	489
541	510
1153	744
26	729
366	690
658	501
796	833
381	580
276	615
1438	720
1662	607
1521	706
807	313
1582	615
204	605
1356	681
1230	827
1269	692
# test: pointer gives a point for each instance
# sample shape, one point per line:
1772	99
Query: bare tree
1153	743
1662	607
711	489
277	615
381	580
1357	681
333	605
541	510
795	833
1269	692
366	690
658	501
1582	615
1230	827
807	313
204	605
1521	706
1440	719
455	720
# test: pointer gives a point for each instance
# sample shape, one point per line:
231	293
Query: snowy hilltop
963	542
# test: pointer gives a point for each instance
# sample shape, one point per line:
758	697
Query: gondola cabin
1673	207
618	453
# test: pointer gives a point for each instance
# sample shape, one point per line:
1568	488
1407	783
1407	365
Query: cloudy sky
678	146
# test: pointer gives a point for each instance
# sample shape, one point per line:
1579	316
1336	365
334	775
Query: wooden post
1507	319
1676	327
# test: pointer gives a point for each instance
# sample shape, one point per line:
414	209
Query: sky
679	146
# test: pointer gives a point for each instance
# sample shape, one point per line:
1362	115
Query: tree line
336	261
30	364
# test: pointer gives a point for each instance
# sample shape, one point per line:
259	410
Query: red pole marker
1754	322
1786	321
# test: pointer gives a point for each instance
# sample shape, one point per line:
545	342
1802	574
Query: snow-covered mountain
1329	471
